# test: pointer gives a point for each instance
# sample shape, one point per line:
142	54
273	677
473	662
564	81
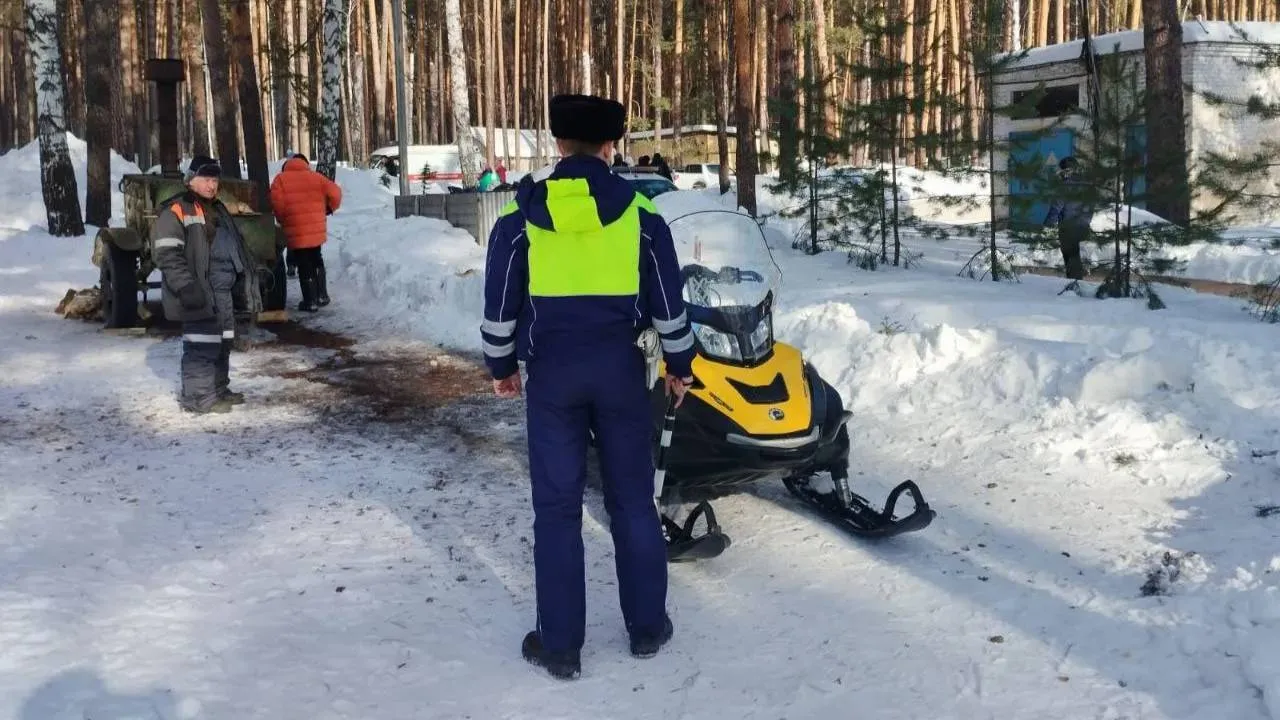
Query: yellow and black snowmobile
757	410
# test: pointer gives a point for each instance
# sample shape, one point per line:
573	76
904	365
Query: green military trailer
124	254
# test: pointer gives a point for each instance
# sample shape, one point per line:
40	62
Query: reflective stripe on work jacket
600	260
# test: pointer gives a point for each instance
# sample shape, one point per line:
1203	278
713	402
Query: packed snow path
327	551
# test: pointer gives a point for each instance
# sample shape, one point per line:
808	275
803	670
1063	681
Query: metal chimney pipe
167	75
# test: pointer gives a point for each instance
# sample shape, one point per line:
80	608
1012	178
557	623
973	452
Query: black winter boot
308	287
646	646
322	286
564	665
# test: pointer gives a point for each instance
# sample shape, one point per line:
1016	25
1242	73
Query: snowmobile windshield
730	281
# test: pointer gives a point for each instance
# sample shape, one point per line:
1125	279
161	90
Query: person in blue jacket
579	265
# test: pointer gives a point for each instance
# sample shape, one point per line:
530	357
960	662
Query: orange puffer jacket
301	199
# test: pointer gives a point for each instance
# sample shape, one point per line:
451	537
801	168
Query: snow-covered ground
958	206
356	542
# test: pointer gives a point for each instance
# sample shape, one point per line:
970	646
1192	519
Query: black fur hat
588	118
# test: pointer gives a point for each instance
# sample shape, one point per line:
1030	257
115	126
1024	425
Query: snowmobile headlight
716	343
761	338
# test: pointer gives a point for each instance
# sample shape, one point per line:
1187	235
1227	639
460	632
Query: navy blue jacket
519	327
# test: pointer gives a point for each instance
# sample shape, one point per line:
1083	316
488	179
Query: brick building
1211	56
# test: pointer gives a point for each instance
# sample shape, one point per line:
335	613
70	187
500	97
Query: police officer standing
206	273
578	266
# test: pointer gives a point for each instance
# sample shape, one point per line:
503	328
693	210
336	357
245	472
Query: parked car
699	176
646	180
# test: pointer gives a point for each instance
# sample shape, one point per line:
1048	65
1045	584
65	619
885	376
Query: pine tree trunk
224	105
619	44
57	179
823	66
484	53
124	83
517	76
255	140
193	49
656	100
677	82
1168	194
500	35
720	91
546	82
277	24
458	90
69	42
102	21
785	101
743	45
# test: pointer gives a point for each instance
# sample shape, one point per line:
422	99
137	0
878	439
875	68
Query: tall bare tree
102	19
224	104
193	50
786	93
255	138
1168	195
57	179
743	47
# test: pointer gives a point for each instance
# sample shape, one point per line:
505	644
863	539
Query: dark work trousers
310	264
601	390
206	344
1071	233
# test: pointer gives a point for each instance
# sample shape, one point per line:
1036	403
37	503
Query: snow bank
414	275
21	197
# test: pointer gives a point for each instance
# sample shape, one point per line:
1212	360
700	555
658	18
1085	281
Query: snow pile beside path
415	275
22	199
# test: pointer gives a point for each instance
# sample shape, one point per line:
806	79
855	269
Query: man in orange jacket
302	199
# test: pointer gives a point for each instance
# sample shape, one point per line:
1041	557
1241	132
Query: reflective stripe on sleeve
499	351
678	345
168	242
200	338
666	327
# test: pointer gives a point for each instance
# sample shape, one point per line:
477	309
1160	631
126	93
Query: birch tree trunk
743	45
255	139
57	179
458	88
335	35
102	19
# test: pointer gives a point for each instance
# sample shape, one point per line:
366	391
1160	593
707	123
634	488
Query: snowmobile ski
857	516
683	546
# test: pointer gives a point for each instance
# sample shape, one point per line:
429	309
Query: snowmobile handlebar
727	274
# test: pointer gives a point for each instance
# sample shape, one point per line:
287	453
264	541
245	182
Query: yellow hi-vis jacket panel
581	257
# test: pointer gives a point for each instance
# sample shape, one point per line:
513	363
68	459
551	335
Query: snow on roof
684	129
519	143
1193	31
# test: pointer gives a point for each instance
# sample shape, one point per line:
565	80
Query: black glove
192	297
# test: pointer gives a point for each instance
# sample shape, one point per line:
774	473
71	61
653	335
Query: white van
427	163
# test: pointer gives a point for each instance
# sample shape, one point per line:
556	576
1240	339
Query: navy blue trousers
604	391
